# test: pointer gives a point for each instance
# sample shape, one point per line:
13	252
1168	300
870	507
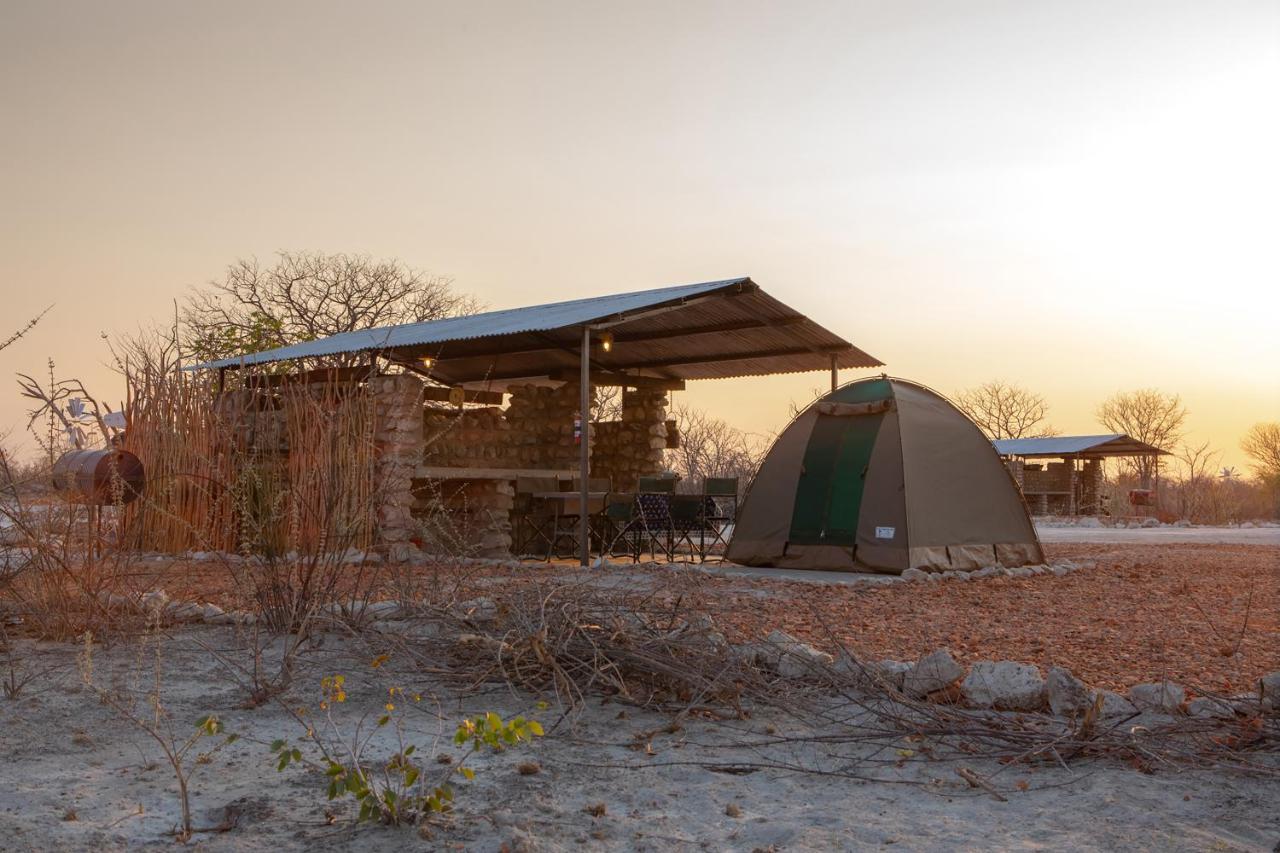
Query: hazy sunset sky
1079	197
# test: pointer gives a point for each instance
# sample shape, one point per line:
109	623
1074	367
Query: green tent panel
883	474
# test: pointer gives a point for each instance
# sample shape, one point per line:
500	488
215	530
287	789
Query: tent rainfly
883	474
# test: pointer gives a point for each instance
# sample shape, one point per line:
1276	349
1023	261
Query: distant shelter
1063	475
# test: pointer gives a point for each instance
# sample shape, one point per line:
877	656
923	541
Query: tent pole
835	373
584	448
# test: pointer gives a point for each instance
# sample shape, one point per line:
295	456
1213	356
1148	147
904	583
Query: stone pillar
398	435
632	447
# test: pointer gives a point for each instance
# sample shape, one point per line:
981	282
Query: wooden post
584	449
835	373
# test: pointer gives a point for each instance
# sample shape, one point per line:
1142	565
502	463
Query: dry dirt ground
1204	615
77	777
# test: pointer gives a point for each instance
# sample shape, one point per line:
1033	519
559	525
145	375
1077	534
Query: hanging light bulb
428	362
606	341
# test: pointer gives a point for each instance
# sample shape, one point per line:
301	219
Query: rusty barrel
99	476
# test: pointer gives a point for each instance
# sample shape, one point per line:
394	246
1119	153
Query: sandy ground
67	756
1157	536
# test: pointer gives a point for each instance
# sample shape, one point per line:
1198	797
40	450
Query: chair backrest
720	487
686	508
656	486
620	509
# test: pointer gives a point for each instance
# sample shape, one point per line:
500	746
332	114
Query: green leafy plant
402	788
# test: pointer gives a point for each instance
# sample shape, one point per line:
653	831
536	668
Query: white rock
1150	522
794	658
1089	521
382	609
210	612
184	611
1269	691
155	601
1182	522
1163	696
891	671
1006	685
1068	696
1060	571
914	575
934	671
1115	705
1209	707
476	610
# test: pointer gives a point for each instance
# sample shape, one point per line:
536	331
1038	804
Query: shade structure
883	474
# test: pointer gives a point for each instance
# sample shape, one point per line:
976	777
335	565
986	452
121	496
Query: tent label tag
885	532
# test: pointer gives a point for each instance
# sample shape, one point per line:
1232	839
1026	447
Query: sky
1081	198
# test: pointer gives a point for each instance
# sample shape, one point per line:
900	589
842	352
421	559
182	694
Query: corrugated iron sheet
684	332
1112	444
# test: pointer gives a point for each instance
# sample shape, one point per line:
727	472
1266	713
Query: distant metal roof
1112	444
697	331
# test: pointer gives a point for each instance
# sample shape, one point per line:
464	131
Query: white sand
63	750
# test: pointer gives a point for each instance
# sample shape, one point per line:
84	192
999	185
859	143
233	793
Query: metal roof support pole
835	373
584	446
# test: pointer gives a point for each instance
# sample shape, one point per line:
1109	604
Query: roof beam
725	356
601	377
550	344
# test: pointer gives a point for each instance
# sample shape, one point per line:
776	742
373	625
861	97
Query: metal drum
99	476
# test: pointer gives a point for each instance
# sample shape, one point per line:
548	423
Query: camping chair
720	499
533	520
566	524
685	521
621	525
653	511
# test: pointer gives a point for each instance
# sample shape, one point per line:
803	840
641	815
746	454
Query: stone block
1004	685
1068	696
934	671
1162	696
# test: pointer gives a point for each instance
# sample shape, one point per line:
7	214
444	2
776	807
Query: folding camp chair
685	524
621	525
533	520
720	501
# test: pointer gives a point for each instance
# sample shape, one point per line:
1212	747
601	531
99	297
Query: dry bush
1003	410
644	644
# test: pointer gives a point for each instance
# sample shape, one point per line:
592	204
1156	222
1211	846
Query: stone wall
473	438
540	420
630	448
398	437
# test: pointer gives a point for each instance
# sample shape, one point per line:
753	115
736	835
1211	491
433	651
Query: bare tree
310	295
1197	480
1004	410
1150	416
1262	445
711	447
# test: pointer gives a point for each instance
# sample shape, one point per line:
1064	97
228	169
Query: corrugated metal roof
1111	444
684	332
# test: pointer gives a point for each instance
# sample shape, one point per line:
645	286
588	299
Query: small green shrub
403	788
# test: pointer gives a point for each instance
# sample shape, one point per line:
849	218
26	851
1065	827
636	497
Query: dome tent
883	474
